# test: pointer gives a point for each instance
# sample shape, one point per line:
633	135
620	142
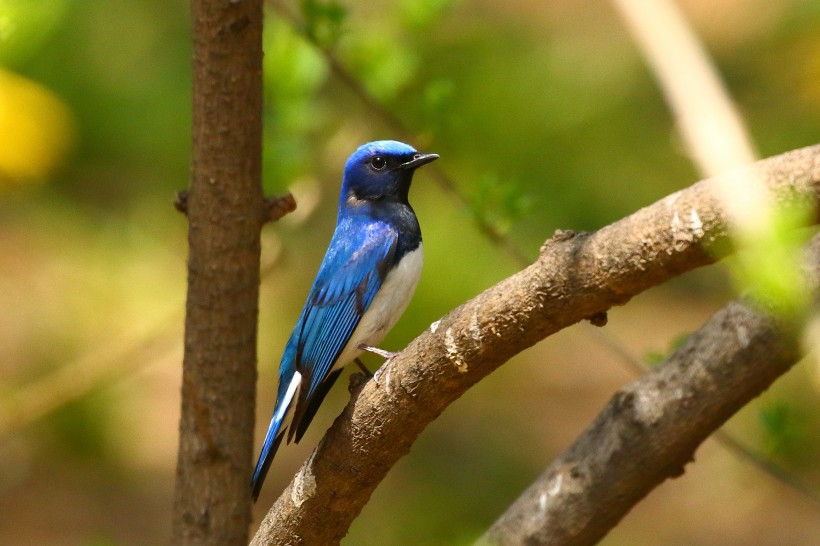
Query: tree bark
649	431
577	276
225	212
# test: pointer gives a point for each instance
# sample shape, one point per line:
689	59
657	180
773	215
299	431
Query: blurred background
545	117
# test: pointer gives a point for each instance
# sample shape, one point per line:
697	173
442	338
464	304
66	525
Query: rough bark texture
649	431
576	277
225	213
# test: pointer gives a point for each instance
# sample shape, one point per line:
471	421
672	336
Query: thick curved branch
649	431
576	277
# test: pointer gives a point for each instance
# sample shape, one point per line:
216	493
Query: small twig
278	206
181	202
709	123
710	126
776	472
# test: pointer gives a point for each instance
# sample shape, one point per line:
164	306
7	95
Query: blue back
375	227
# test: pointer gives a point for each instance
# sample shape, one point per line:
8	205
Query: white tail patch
285	411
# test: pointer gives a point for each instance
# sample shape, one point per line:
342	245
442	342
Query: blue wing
351	274
357	261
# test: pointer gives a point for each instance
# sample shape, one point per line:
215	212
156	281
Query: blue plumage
364	284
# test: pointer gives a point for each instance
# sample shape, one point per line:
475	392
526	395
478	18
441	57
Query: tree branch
649	431
225	211
576	276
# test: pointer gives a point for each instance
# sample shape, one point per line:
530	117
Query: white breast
387	307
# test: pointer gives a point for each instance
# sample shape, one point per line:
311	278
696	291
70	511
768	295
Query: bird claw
387	355
378	373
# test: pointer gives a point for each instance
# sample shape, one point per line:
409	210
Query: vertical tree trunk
225	209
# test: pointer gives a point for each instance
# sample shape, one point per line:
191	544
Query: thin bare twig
711	127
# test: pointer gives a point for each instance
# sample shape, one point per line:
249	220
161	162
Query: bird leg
376	351
387	355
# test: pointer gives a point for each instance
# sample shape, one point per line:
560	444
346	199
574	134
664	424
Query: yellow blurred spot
36	130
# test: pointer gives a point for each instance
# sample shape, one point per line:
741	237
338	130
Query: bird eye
378	162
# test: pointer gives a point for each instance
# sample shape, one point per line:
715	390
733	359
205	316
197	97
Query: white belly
386	308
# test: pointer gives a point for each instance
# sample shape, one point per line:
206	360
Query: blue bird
363	286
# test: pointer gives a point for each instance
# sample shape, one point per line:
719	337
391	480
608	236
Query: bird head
381	171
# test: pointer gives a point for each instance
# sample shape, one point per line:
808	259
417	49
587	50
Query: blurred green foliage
26	26
498	203
545	117
769	267
294	72
79	429
323	21
784	432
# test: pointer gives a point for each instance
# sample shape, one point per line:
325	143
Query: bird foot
387	355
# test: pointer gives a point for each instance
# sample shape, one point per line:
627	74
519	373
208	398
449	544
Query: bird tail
276	432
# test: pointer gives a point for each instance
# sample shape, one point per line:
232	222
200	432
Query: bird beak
418	160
